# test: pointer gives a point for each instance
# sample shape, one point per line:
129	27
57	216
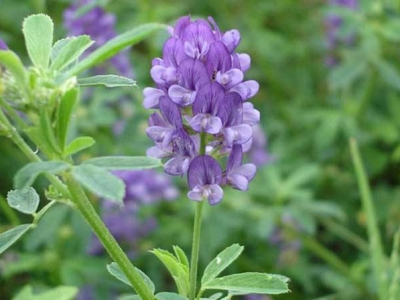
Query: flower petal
218	59
231	39
196	193
206	123
204	170
251	115
238	134
151	97
235	158
209	99
246	89
181	95
215	194
170	111
173	52
177	165
230	78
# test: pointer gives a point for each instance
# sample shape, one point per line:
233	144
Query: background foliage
302	216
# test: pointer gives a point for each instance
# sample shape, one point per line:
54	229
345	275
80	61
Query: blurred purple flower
142	188
287	243
86	292
99	25
202	97
3	45
333	24
258	153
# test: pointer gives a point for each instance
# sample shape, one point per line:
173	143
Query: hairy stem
196	234
77	195
195	250
110	244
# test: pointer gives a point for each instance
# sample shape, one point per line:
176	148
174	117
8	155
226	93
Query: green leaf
391	29
72	48
343	75
221	262
11	236
66	108
115	271
79	144
178	271
59	293
27	175
38	33
250	283
181	256
13	64
124	162
48	133
115	45
106	80
169	296
25	200
388	73
100	182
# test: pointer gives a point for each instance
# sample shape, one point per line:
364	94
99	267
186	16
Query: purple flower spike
99	25
238	175
204	177
202	97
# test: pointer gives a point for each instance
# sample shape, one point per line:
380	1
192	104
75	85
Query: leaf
343	75
221	262
178	271
13	64
115	271
27	175
78	144
11	236
115	45
250	283
124	162
182	258
390	29
100	182
48	134
59	293
72	48
25	200
106	80
38	33
388	73
169	296
58	46
64	113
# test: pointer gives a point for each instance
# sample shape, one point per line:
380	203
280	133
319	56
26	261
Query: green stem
84	206
12	113
346	234
195	250
330	258
19	141
196	234
114	250
374	236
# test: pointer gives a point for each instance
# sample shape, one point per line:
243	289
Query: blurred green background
302	215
